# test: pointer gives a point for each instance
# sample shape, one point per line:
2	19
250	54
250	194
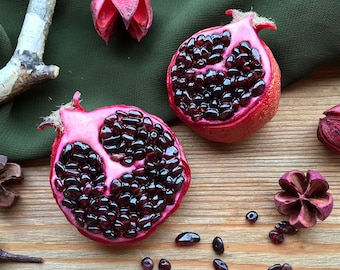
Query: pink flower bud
137	17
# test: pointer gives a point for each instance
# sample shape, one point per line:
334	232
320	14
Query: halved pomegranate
117	172
224	81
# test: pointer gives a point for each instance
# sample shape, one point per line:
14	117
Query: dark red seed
187	239
147	263
286	227
219	265
276	237
286	266
164	264
252	216
218	245
276	266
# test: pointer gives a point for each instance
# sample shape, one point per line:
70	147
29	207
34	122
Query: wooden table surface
227	182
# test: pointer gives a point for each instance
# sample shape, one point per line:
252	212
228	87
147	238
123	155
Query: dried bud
141	20
304	198
328	131
137	16
9	173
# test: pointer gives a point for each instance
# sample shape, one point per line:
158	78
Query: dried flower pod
304	198
137	17
9	172
328	129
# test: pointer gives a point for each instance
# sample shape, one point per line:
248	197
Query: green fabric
133	73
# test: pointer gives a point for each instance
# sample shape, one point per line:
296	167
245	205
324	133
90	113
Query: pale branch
26	67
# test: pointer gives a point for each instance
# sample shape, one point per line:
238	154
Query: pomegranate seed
218	245
164	264
286	266
252	216
187	239
147	263
219	265
276	266
276	237
286	227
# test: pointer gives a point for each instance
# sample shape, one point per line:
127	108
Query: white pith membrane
76	124
241	29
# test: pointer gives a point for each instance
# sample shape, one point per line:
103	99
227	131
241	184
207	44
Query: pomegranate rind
263	108
71	114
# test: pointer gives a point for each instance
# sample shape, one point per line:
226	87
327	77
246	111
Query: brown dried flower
9	173
304	198
328	131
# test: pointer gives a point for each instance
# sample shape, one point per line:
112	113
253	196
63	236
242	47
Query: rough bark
26	67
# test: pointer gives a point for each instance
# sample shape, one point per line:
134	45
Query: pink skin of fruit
247	120
74	123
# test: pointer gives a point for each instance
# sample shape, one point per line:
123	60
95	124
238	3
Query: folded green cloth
129	72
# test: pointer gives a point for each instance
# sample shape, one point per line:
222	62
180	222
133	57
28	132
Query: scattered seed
286	266
276	237
187	239
147	263
276	266
164	264
252	216
286	227
218	245
219	265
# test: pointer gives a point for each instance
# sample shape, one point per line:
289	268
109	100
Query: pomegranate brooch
304	198
117	172
224	81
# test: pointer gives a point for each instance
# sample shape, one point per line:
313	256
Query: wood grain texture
227	182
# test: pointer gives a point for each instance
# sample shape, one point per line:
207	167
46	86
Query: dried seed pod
304	198
328	129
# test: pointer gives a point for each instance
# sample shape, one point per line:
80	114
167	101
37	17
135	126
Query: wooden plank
228	181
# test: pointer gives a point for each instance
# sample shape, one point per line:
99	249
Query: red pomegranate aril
116	172
218	245
286	266
286	228
147	263
187	239
164	264
252	216
276	266
219	265
276	237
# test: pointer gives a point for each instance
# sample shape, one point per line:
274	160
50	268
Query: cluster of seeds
133	202
148	264
276	236
206	84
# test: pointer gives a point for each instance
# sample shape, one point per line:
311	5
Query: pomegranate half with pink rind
117	172
224	81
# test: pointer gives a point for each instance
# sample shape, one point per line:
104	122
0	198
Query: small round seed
164	264
252	216
286	266
147	263
276	237
218	245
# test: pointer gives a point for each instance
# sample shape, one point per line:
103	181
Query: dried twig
26	67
